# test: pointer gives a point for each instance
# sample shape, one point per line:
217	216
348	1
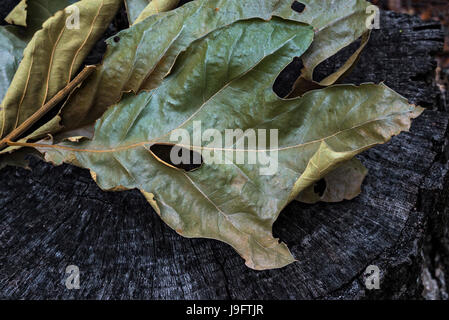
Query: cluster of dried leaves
213	61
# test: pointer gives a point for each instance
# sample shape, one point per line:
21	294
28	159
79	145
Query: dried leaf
161	38
11	49
13	40
51	61
155	7
344	183
139	10
18	15
224	81
134	9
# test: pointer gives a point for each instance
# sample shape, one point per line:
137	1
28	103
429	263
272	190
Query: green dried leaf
11	49
160	39
225	81
134	8
139	10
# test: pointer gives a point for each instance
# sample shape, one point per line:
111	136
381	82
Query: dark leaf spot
298	6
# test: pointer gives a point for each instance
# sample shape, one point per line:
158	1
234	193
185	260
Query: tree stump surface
53	217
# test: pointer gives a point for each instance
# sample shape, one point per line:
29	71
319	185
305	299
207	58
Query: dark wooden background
52	217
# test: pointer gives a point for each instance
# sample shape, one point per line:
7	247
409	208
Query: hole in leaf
332	64
284	82
320	187
182	2
116	39
177	157
298	6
